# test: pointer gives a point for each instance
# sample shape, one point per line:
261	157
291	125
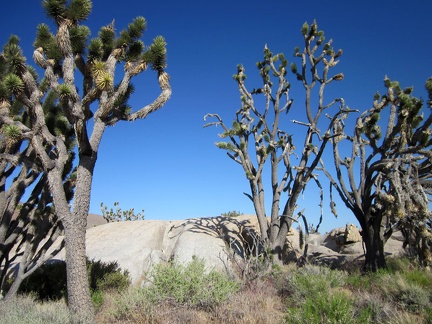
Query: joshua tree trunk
373	238
75	224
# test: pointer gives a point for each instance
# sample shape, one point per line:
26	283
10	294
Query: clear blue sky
167	164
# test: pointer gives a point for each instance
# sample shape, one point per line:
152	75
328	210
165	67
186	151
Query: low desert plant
119	215
312	279
315	295
189	284
107	276
337	307
24	309
232	213
172	285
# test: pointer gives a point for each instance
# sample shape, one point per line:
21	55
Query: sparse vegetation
119	215
178	293
232	213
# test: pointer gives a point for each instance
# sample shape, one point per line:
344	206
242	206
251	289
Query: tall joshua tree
26	221
257	135
65	55
386	179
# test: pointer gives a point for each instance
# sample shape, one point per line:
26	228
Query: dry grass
257	302
400	294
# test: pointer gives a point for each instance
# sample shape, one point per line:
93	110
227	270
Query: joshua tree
68	57
259	135
25	224
385	179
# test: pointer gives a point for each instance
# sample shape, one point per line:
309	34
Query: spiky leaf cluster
78	37
104	81
14	57
47	41
155	55
102	46
64	91
12	133
79	10
13	84
75	10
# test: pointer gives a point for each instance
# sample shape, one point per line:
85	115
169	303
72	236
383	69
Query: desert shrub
23	309
336	307
315	295
119	215
399	264
131	305
312	279
358	281
413	298
418	277
189	284
107	276
232	213
371	308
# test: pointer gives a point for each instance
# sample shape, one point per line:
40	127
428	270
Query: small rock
352	234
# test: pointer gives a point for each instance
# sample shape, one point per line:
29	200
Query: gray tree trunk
75	224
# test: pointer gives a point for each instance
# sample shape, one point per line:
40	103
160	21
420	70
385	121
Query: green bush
107	276
323	308
232	213
312	279
189	284
414	298
419	277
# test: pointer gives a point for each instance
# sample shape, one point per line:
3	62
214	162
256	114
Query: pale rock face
139	245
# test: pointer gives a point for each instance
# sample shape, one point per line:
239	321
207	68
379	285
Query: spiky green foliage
97	68
119	215
64	91
46	40
79	36
107	38
132	33
156	54
55	8
137	27
13	83
12	133
74	10
96	49
305	28
104	81
134	51
14	56
79	10
122	108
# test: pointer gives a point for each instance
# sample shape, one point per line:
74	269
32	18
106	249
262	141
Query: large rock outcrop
138	245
